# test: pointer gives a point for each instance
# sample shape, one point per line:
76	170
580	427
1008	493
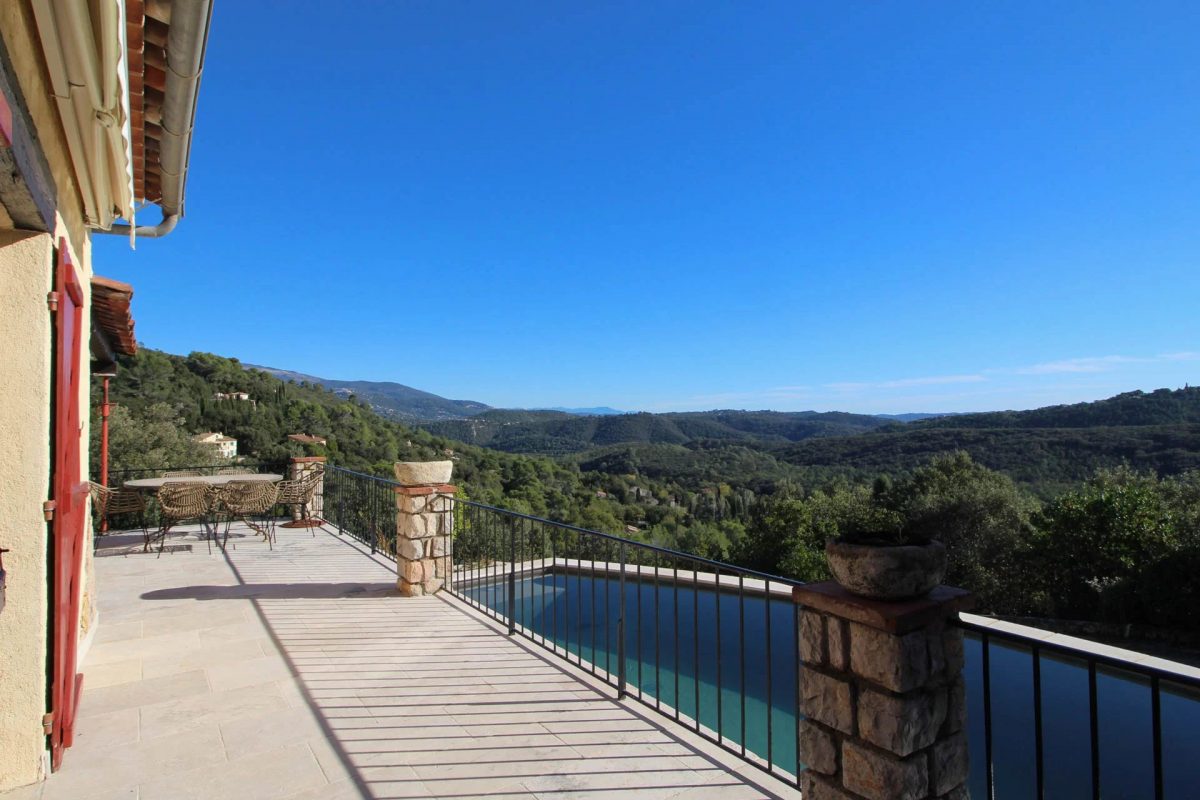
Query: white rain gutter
186	41
91	89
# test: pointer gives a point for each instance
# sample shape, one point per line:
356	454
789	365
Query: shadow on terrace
299	673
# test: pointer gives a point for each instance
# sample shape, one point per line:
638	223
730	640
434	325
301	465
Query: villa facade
97	102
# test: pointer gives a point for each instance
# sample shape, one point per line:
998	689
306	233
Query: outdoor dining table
154	484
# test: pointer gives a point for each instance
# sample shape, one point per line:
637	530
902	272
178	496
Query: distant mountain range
392	400
597	411
404	403
1046	447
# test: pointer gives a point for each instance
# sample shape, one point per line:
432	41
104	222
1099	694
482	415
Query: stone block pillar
302	467
882	691
424	538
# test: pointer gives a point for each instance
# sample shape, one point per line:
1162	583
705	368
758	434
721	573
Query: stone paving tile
300	674
114	672
268	776
201	656
99	732
148	691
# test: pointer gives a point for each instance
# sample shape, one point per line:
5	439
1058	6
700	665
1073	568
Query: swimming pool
729	661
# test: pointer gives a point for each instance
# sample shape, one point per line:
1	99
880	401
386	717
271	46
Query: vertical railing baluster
513	577
1094	718
770	666
796	717
592	589
578	605
621	629
720	699
637	642
607	606
696	641
987	716
675	646
1039	766
742	658
554	592
1156	722
657	639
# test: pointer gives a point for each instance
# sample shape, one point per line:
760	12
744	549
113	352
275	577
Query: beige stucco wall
25	373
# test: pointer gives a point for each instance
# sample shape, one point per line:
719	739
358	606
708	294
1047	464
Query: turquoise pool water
707	657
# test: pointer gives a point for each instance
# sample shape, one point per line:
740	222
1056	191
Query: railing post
341	503
621	630
424	543
374	526
512	578
882	694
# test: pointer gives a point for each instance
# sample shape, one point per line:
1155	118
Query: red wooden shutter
70	499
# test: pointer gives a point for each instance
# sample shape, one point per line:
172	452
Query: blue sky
860	206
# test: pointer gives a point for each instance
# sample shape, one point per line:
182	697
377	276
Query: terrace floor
299	673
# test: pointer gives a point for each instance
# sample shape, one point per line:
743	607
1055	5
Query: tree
1097	542
983	519
152	438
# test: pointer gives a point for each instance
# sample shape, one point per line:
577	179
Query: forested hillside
556	433
1045	459
1160	407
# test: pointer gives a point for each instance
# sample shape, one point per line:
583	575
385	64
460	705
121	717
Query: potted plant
877	556
423	473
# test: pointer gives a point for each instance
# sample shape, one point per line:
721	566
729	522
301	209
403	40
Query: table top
213	480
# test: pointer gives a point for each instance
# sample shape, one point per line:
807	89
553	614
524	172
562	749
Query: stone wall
424	538
882	691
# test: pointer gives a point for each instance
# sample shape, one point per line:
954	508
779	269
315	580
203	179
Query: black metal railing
1126	726
715	647
361	506
712	646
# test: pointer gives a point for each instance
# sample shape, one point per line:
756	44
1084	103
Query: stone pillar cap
892	616
428	488
308	459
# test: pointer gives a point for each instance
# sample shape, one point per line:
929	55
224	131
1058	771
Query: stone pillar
424	543
302	467
882	691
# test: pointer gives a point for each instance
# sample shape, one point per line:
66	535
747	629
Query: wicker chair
248	500
300	492
229	471
181	473
111	503
180	502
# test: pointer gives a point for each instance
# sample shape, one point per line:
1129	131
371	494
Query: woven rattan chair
249	501
180	502
110	503
228	471
181	473
300	492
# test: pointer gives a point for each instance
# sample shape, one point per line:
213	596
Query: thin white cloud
904	383
1101	363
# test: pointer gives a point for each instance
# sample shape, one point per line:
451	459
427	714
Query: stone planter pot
422	473
887	573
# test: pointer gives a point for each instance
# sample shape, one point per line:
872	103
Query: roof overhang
86	54
112	324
